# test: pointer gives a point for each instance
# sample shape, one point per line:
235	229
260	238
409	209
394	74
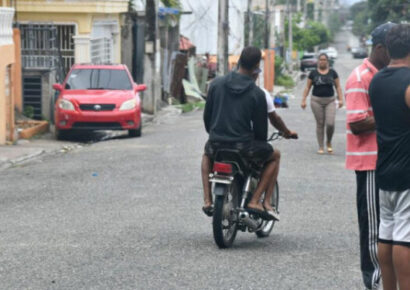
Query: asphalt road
125	214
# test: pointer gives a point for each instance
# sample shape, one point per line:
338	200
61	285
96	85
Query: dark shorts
257	151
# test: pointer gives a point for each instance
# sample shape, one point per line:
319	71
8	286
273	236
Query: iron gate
32	95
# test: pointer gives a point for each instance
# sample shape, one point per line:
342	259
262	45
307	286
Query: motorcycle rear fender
220	179
220	190
217	178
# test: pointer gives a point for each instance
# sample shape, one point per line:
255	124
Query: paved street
126	214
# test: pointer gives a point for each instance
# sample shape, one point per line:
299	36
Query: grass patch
188	107
285	81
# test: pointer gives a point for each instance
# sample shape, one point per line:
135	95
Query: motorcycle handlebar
279	135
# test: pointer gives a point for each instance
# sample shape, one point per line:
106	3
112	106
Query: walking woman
323	100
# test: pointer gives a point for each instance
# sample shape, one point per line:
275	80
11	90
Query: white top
269	101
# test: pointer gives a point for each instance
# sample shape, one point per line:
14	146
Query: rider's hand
303	105
290	135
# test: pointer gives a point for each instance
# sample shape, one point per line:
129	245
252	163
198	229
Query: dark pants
257	151
368	216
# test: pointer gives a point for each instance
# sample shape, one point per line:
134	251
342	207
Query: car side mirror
140	88
58	87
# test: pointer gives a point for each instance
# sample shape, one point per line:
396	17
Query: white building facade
201	27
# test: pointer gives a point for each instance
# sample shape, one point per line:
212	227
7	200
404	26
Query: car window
306	56
98	79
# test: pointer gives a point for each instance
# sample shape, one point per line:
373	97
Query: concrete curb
7	163
12	162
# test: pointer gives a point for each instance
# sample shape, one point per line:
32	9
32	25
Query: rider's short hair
250	57
398	41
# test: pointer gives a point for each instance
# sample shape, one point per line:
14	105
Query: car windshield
98	79
306	56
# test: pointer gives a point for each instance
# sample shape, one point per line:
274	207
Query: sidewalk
25	150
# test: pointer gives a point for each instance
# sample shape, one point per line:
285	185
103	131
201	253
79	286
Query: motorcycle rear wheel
224	222
267	226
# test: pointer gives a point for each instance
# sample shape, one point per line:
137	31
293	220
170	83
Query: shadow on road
90	137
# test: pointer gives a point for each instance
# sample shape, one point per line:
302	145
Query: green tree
360	14
382	11
258	30
172	3
314	34
369	14
334	24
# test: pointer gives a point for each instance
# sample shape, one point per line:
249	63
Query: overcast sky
348	2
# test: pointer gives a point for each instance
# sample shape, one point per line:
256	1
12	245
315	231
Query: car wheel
59	134
135	133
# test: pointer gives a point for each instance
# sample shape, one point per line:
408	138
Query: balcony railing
102	50
6	25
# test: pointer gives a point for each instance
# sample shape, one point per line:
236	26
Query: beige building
55	34
8	74
93	27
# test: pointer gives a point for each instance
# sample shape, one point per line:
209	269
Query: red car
98	97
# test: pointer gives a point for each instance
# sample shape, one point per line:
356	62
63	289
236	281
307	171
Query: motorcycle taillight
222	168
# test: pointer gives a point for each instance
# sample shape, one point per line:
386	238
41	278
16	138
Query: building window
47	46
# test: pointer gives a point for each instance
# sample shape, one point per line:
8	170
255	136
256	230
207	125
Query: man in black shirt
236	116
390	97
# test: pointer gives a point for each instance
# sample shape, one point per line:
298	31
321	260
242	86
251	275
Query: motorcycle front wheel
267	226
224	223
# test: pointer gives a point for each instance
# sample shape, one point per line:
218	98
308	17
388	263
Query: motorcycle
234	179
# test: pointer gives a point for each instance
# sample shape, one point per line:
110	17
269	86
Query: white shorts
395	217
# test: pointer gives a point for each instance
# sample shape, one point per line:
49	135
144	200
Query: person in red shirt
361	152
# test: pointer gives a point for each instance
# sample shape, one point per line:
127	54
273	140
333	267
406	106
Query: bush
278	66
28	112
188	107
285	81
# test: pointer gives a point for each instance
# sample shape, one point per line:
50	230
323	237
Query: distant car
330	51
354	49
359	52
98	97
308	62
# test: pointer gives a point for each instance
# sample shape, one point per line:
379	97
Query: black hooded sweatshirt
235	110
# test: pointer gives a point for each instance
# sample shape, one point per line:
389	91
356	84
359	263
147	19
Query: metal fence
6	30
102	50
65	35
47	46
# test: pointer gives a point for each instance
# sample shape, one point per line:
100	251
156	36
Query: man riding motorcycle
235	116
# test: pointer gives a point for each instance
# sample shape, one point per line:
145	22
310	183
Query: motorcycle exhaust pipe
248	221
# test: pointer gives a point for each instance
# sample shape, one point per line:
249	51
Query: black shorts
257	151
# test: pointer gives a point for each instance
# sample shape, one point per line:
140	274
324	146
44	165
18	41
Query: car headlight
128	105
66	105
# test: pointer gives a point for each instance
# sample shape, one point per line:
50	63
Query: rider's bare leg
266	178
205	170
269	192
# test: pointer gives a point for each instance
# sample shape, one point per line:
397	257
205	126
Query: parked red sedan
98	97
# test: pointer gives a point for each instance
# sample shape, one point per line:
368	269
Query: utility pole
316	10
325	13
290	36
305	17
223	31
151	51
267	17
272	30
249	23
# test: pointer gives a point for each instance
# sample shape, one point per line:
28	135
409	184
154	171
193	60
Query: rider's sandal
274	214
208	210
329	149
260	213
